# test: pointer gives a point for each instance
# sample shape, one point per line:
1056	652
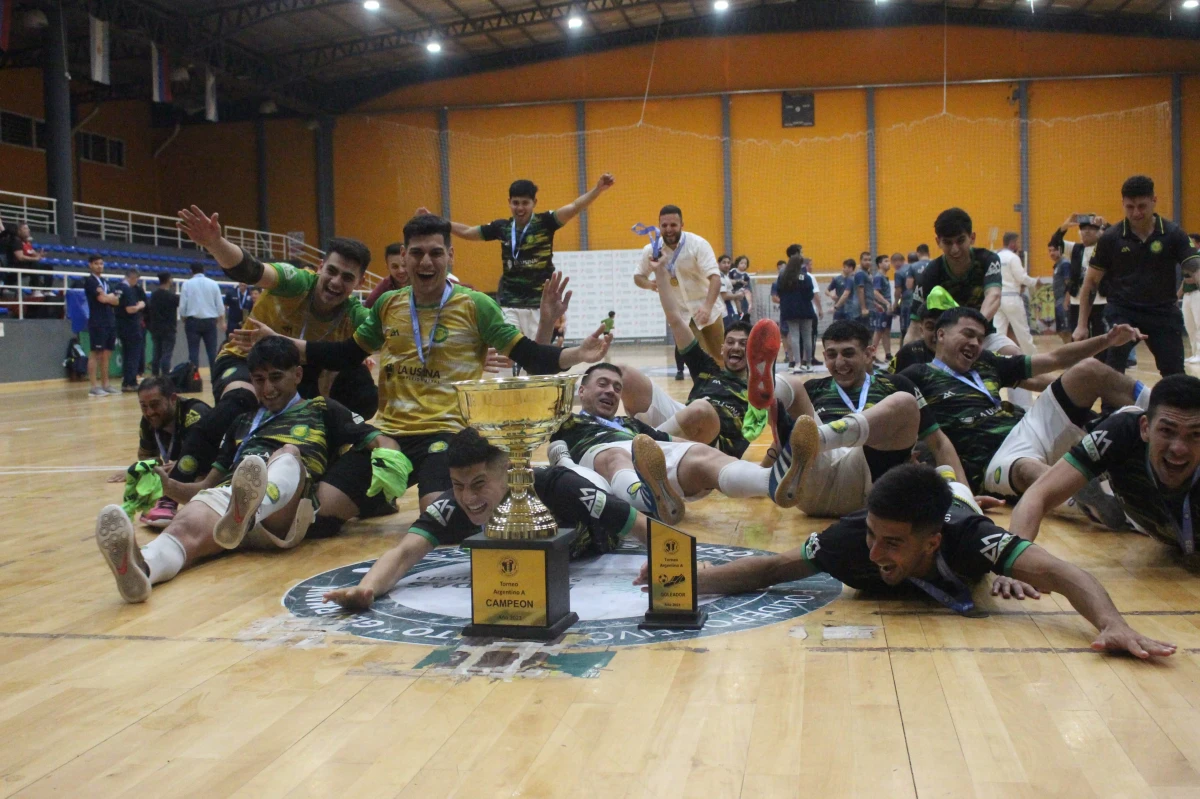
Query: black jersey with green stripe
601	517
829	405
973	422
322	429
725	391
967	289
523	276
582	431
1115	448
972	545
911	353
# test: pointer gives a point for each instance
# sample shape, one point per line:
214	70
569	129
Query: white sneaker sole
118	545
805	444
248	487
650	463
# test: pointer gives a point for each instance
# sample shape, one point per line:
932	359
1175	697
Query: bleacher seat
117	261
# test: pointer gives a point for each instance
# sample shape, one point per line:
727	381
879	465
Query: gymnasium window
100	149
21	130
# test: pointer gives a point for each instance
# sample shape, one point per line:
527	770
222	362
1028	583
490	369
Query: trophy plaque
672	580
520	584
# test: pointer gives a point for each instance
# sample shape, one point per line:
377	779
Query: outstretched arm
384	574
1049	491
468	232
747	574
946	455
206	232
1045	572
1068	355
572	209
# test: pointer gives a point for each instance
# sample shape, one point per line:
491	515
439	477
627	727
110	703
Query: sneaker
97	392
118	545
795	461
161	514
679	375
1100	506
111	390
247	489
762	348
651	466
128	389
558	452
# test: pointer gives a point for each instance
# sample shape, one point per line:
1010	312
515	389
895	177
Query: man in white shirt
202	308
692	264
1080	256
1013	281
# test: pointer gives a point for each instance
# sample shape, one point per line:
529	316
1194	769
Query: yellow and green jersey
287	309
418	398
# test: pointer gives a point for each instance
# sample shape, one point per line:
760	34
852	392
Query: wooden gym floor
202	691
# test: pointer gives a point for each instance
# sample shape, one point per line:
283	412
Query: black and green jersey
582	431
976	423
725	391
320	428
532	263
911	353
830	406
1115	448
968	289
168	446
601	517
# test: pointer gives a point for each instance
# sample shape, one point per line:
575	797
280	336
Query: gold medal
674	281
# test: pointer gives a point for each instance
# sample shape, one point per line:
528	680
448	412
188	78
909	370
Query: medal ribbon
1183	529
609	423
259	421
975	381
862	395
655	238
516	241
416	322
961	603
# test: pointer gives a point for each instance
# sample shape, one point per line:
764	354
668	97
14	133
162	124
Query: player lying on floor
917	534
275	455
1151	459
479	474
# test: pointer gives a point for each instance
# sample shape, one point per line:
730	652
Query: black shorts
729	439
430	459
102	337
351	474
228	369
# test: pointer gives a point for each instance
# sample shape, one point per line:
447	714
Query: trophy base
674	621
520	588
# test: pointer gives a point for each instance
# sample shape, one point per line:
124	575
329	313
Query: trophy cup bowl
517	414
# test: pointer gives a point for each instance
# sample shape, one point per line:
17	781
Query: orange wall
101	184
23	169
1191	154
211	166
291	179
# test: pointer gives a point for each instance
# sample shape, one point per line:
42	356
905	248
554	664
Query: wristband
249	270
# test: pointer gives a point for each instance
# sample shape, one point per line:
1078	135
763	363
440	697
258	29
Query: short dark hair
426	225
881	258
952	316
352	250
95	257
847	330
950	223
197	268
1010	237
612	313
912	493
522	188
1138	186
671	209
274	352
850	262
793	249
596	367
395	248
722	257
163	383
913	257
164	277
864	252
468	448
1178	391
738	327
133	270
922	249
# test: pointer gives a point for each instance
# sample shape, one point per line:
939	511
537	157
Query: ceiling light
371	5
721	5
1191	3
434	47
574	22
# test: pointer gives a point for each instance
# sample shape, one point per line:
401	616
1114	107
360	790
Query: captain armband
249	270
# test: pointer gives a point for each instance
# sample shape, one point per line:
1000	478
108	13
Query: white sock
671	426
285	474
1021	397
1141	395
622	482
741	479
165	556
784	392
851	430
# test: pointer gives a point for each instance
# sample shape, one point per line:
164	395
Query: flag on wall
6	9
210	95
160	75
101	55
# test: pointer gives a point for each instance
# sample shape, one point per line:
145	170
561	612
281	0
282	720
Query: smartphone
1083	219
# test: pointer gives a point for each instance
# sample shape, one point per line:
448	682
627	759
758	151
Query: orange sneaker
762	348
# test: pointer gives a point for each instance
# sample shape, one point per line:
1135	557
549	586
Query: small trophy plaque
520	584
672	580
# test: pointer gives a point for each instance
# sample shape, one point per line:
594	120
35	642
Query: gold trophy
520	586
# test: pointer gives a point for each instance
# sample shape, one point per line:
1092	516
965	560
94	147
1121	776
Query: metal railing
37	212
273	246
135	227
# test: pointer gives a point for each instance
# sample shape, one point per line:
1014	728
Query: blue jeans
132	343
195	329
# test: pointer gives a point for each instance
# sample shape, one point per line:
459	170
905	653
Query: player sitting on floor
917	533
478	471
1003	448
274	454
1151	459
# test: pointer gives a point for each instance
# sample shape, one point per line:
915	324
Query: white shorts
838	483
258	538
673	452
662	407
996	342
524	319
1045	434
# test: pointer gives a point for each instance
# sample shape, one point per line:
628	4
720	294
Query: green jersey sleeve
356	311
369	333
292	282
494	331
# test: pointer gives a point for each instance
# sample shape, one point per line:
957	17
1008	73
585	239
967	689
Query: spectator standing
794	291
237	304
739	277
881	306
203	310
1062	298
902	274
162	316
1079	256
396	278
1189	292
840	294
102	327
1014	280
131	306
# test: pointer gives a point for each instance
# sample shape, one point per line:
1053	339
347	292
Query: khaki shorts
259	538
838	483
